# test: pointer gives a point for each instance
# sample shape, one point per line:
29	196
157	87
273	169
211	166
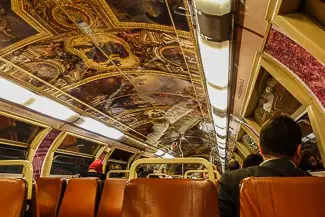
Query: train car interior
162	108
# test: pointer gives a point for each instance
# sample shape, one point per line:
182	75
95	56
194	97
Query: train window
12	153
270	98
121	155
74	144
118	161
17	131
69	165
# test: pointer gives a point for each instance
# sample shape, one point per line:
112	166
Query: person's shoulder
234	177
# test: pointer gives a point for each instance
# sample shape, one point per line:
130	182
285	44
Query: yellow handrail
116	171
193	171
27	173
201	161
199	171
177	176
156	174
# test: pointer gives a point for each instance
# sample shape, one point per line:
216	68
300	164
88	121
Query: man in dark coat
280	145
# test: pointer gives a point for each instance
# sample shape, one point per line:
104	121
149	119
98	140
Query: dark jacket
228	194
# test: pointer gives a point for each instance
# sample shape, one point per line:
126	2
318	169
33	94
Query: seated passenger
95	170
309	162
280	145
233	165
252	160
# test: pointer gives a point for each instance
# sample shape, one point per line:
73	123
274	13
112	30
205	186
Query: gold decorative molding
17	7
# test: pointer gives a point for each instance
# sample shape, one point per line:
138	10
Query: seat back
282	197
80	198
50	192
170	198
12	197
112	198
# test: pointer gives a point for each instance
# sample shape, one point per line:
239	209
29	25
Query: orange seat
170	198
80	198
112	198
12	197
50	192
282	197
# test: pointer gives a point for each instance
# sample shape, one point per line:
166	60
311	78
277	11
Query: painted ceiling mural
122	62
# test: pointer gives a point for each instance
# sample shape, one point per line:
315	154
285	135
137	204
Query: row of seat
80	198
260	197
57	197
142	197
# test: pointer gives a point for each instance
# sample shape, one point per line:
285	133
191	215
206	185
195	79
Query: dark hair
305	163
233	165
280	135
252	160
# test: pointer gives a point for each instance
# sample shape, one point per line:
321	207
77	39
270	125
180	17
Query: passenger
252	160
95	170
164	171
309	162
280	145
233	165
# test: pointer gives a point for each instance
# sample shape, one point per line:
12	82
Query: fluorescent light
99	127
19	95
218	98
167	156
14	93
220	140
215	60
159	152
214	7
219	121
221	150
52	108
221	131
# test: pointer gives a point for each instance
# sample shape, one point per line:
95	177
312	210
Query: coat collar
278	162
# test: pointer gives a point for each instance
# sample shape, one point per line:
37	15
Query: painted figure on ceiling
150	11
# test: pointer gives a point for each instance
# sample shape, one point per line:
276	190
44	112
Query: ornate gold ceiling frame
77	109
95	43
115	23
17	7
81	111
122	72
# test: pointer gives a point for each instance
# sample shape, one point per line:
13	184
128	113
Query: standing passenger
280	145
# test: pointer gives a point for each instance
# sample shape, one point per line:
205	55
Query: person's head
233	165
309	162
252	160
96	166
164	171
280	137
